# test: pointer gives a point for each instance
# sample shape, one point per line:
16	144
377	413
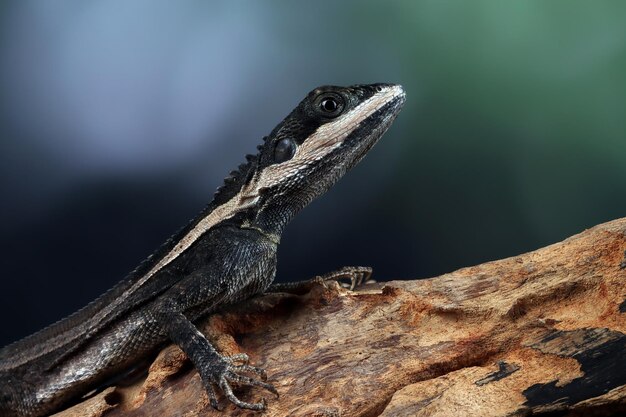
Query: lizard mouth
372	128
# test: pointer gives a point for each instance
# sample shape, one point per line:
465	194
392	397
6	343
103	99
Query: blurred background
119	119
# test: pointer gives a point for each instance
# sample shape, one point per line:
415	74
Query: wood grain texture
543	332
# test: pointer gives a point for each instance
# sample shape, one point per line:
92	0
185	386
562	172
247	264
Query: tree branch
540	332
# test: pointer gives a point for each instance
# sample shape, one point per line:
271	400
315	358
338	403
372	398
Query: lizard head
324	136
329	132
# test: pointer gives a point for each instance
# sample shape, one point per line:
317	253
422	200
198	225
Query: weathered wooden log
543	332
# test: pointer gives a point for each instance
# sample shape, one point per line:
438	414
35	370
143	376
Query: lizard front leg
202	292
214	368
356	275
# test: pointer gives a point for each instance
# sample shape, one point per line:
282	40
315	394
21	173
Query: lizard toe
239	357
253	369
223	372
228	392
246	380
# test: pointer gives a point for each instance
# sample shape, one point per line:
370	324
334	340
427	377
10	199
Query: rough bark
543	332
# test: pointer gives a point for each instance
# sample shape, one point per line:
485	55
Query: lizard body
224	255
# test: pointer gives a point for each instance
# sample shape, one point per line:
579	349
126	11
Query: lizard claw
356	275
249	368
244	366
229	373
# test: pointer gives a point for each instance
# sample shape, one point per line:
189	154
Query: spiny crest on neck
238	177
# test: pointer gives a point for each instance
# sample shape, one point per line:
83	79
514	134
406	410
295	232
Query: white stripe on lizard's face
323	141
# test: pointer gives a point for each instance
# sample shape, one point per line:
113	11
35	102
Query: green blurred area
514	133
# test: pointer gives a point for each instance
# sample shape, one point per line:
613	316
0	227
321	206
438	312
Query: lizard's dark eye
284	150
330	105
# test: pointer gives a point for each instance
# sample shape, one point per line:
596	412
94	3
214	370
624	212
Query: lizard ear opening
284	150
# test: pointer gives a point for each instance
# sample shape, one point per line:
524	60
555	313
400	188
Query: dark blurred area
119	119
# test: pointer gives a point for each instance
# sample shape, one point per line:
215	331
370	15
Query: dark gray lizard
225	255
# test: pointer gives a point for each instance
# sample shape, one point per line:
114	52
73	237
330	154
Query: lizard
225	255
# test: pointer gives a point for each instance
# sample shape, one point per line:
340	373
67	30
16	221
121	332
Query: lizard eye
284	150
330	105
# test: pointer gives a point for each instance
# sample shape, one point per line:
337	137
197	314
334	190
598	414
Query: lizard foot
348	276
355	275
228	369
